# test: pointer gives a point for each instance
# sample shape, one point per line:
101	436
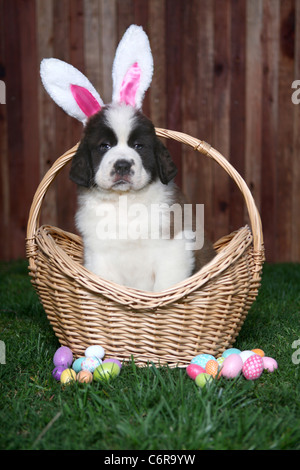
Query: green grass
149	408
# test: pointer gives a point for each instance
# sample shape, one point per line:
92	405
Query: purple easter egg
63	357
57	371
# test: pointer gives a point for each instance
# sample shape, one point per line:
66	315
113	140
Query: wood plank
14	126
66	190
221	107
141	18
125	16
93	61
285	132
29	109
203	187
237	110
4	167
47	139
157	37
190	159
254	98
295	252
108	45
174	35
76	51
270	125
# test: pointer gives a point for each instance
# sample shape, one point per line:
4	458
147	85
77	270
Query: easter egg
245	354
232	366
253	367
77	364
106	371
220	360
193	370
212	367
90	363
259	352
84	376
202	359
230	351
202	379
68	376
63	357
95	351
57	371
269	364
116	361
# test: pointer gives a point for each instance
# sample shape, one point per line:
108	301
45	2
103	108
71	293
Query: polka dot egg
212	367
202	359
220	361
90	363
253	367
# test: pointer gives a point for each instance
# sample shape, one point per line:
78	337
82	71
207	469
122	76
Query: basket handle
206	149
35	209
196	144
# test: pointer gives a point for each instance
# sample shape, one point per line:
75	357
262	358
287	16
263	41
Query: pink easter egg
269	363
193	370
253	367
232	366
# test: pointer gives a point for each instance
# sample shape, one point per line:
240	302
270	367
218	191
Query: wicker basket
203	313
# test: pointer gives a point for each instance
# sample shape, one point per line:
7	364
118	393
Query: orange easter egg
212	367
259	352
84	376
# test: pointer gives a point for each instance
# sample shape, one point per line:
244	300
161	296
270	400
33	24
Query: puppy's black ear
165	166
81	171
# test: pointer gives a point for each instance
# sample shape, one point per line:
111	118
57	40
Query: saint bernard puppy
123	170
132	217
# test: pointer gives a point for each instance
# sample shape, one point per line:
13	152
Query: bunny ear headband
131	74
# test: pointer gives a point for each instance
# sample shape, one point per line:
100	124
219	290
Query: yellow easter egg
68	376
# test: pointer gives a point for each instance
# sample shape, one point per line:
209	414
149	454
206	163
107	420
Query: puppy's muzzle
123	167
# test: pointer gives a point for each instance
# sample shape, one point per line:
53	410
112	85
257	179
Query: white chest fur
126	242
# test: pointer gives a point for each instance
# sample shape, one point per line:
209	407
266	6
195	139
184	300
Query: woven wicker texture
202	314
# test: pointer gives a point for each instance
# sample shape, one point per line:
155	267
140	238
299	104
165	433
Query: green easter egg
202	379
106	371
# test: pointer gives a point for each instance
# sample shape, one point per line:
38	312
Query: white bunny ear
70	89
132	68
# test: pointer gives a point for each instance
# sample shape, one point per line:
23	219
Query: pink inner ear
85	100
130	85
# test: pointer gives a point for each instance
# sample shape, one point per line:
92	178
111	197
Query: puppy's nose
122	167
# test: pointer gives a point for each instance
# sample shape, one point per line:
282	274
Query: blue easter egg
230	351
77	364
202	359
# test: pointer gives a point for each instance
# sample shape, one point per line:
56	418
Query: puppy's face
120	152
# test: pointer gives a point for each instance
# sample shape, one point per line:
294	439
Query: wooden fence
223	73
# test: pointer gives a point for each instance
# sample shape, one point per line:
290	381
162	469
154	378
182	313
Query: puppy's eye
104	146
138	146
